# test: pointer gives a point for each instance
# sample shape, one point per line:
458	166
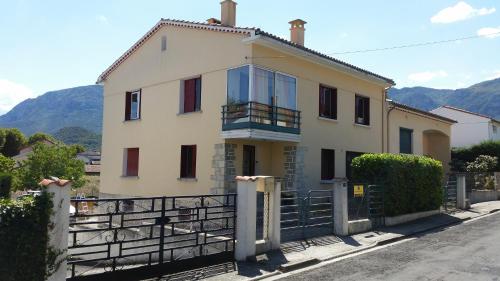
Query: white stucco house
471	128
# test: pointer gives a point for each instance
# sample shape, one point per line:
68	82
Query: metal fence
127	238
366	202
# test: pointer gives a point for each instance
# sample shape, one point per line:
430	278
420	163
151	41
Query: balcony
260	121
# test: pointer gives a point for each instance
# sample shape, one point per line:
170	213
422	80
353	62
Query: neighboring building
192	105
25	151
471	128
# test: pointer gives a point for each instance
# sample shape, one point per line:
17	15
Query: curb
309	262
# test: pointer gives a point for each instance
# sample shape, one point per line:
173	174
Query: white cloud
11	94
489	32
102	18
427	76
495	75
461	11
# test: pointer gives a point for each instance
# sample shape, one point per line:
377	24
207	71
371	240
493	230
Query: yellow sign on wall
358	191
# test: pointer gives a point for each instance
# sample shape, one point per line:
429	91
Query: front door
249	160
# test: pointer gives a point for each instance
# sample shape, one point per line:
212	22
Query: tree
2	139
6	164
51	161
39	137
14	141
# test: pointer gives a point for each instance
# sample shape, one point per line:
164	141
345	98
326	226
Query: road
470	251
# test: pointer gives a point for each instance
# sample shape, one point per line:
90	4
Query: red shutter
193	161
132	161
367	111
334	103
189	95
128	99
321	101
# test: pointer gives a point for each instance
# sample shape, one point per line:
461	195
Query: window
327	164
238	81
131	162
188	161
163	43
494	129
405	141
192	95
133	105
327	102
349	156
268	87
362	110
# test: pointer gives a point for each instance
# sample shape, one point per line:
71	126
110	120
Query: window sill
326	181
130	177
362	125
132	120
189	113
328	119
188	179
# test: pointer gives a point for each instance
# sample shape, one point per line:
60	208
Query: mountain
78	135
74	107
482	98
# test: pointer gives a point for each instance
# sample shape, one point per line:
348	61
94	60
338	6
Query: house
471	128
191	105
26	151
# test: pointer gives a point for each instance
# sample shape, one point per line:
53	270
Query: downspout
388	128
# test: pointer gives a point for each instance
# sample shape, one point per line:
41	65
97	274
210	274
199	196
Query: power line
415	44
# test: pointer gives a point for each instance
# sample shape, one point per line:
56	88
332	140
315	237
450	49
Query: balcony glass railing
253	115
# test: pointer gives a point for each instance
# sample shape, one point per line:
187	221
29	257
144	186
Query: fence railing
260	116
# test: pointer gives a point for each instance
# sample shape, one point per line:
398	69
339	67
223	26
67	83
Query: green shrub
24	237
411	183
5	185
461	156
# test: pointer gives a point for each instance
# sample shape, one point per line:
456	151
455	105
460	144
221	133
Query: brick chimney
297	31
228	13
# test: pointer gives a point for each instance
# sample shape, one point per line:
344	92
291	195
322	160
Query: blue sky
50	45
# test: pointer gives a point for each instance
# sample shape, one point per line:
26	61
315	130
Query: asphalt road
469	251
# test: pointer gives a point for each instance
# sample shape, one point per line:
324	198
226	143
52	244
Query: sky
50	45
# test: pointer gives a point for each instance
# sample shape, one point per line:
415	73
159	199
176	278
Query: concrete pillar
340	207
497	180
58	234
246	218
274	231
461	192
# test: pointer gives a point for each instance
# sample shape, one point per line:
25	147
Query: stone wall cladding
294	167
224	169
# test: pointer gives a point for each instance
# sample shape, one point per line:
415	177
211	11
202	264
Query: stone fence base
478	196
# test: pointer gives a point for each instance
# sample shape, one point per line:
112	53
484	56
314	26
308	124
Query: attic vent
163	43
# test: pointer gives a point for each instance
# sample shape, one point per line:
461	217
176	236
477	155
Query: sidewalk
294	255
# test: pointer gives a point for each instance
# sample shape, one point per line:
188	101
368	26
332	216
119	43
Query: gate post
461	192
58	234
274	231
340	208
246	218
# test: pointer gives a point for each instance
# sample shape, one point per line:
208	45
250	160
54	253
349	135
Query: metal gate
306	214
366	202
138	238
450	193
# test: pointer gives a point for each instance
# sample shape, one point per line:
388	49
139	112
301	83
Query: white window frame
138	111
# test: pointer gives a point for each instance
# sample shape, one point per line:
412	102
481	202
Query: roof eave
276	44
422	112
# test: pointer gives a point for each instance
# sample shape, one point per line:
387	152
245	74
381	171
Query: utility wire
415	44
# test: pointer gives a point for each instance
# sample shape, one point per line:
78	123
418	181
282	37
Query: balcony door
249	160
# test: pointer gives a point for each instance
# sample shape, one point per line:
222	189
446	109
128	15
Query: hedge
24	253
411	183
461	156
5	185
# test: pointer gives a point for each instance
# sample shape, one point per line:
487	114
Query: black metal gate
138	238
376	210
306	214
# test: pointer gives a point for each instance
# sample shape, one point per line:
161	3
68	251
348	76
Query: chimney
297	31
228	13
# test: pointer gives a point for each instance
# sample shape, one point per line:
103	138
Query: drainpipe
388	128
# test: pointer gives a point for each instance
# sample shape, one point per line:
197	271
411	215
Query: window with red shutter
132	165
133	105
192	95
188	161
327	102
362	110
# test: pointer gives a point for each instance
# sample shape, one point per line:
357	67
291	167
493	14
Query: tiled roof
221	28
430	114
92	168
470	112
